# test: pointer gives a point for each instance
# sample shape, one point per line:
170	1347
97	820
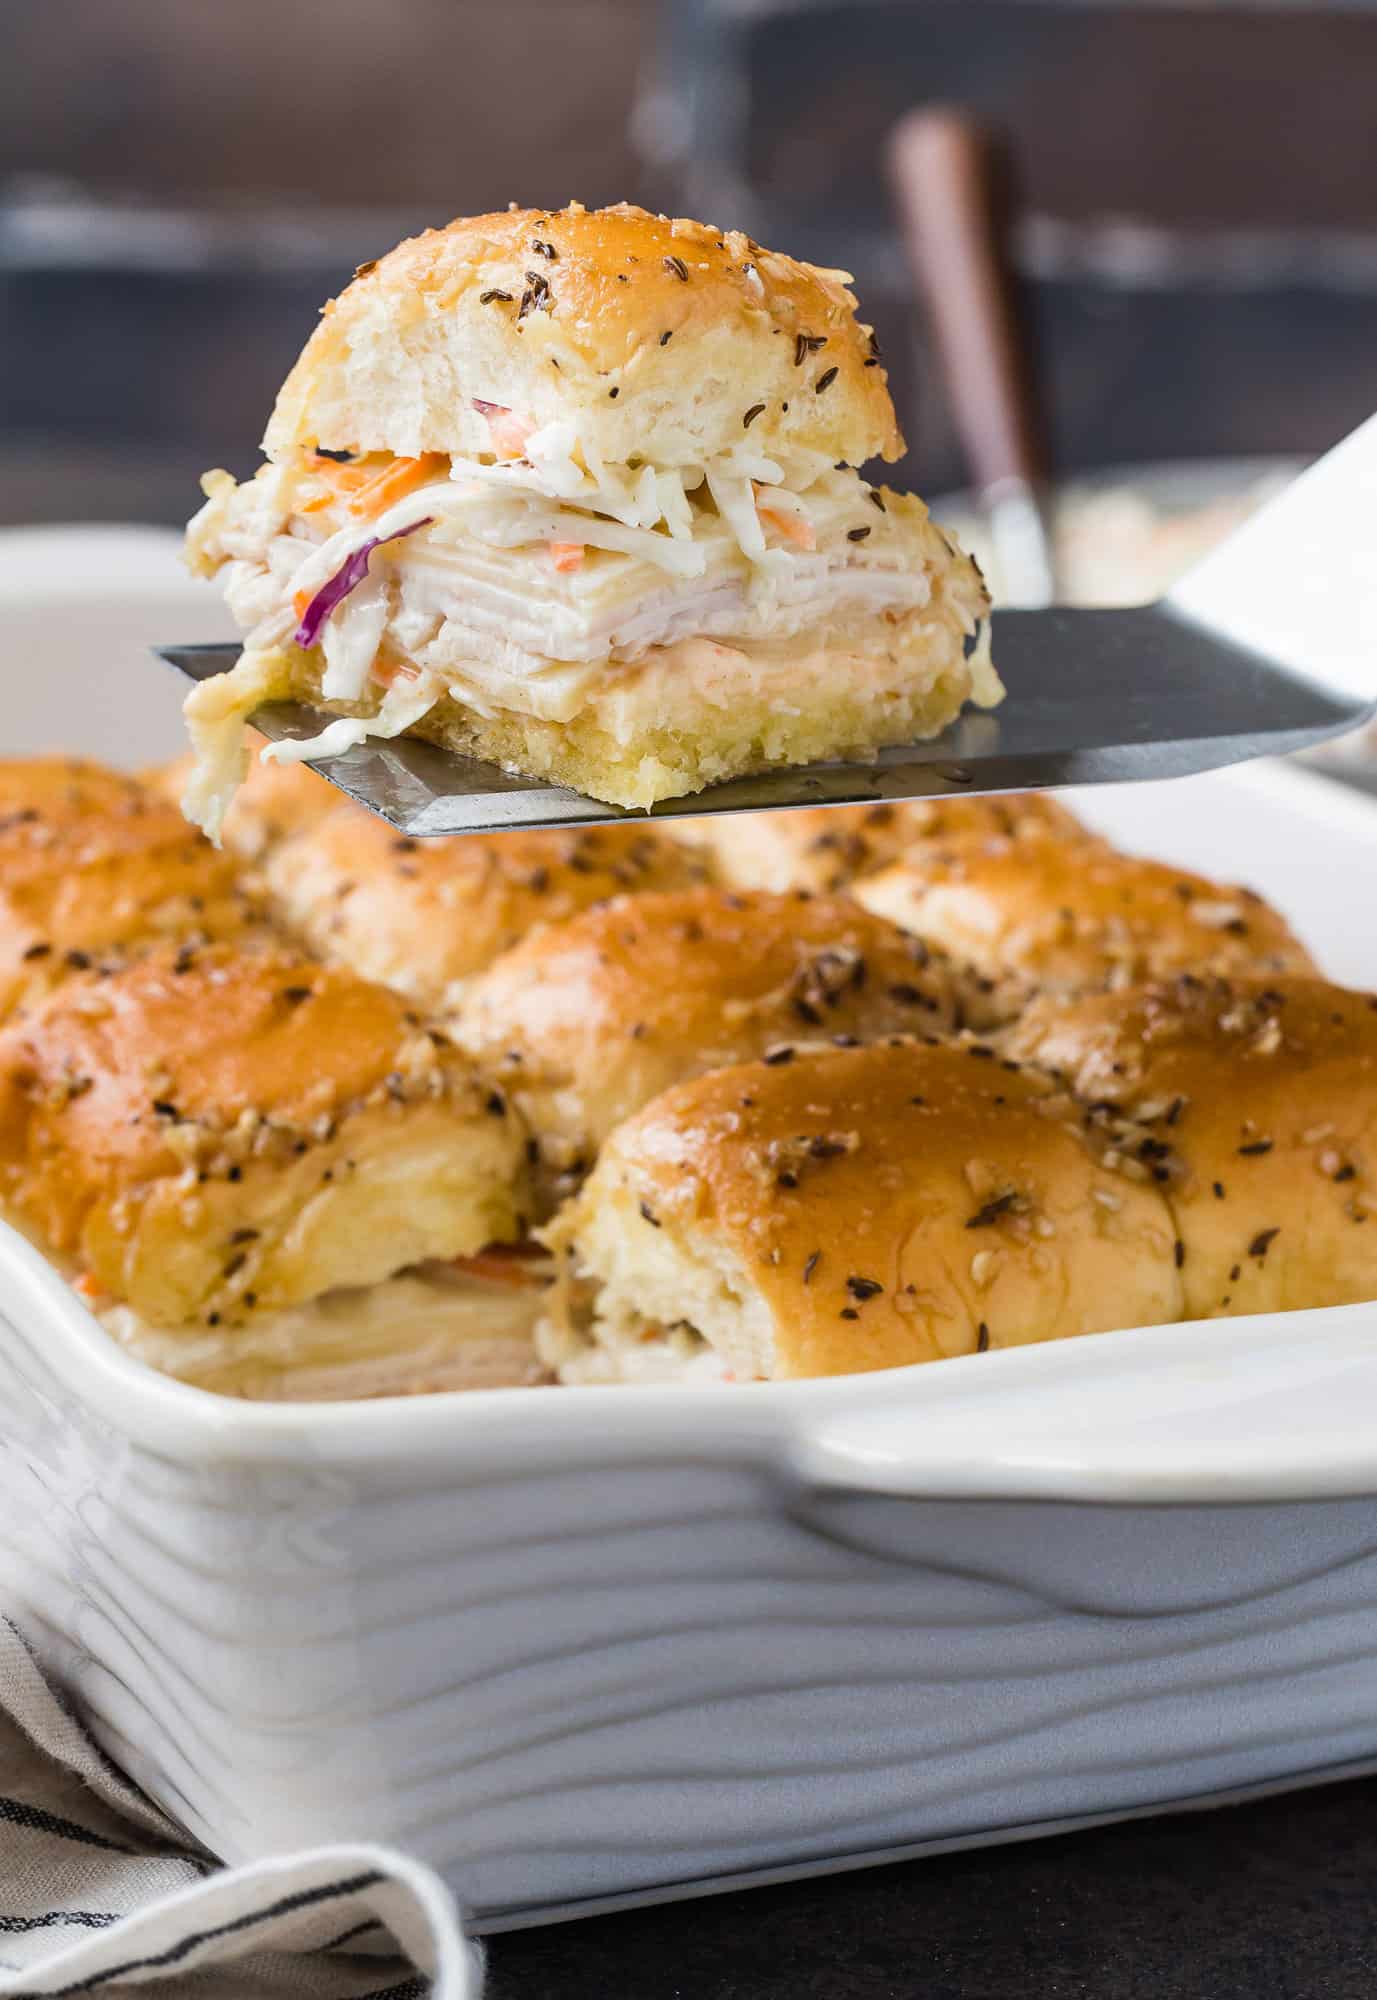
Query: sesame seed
857	534
825	380
982	1339
667	336
756	410
486	298
810	1266
649	1215
677	266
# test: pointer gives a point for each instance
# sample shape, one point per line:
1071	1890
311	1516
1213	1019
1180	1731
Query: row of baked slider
275	1119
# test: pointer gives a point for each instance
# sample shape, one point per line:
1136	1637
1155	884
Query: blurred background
1192	199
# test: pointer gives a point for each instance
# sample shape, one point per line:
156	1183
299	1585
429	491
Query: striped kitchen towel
100	1891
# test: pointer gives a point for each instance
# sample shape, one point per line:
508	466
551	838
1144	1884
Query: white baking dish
580	1646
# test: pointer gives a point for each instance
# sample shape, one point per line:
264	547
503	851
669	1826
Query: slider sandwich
575	492
96	869
252	1167
1258	1101
850	1210
1038	913
425	916
827	848
585	1021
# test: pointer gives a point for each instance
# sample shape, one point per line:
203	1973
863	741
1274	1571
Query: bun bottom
655	764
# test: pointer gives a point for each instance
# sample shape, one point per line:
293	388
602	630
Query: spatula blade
1095	697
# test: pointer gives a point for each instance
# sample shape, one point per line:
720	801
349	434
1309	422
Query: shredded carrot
503	1264
89	1286
791	526
339	481
394	482
566	555
387	670
507	430
301	602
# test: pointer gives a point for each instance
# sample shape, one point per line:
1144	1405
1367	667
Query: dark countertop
1274	1901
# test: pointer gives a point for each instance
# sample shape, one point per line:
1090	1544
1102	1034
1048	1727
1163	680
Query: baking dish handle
1274	1407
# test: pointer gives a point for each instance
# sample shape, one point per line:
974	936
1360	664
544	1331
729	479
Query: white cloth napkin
100	1891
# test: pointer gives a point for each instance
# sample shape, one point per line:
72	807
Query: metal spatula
1268	645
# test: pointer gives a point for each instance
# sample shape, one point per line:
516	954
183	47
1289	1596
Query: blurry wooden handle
942	171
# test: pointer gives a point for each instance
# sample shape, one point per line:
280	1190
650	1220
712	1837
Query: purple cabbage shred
347	577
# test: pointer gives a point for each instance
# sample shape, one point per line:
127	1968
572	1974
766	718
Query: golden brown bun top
588	1019
63	788
1193	1033
95	867
891	1202
424	916
828	847
274	802
185	1055
1260	1101
1069	917
657	337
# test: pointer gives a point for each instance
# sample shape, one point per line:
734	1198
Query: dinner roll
94	868
587	1020
1259	1099
210	1134
274	802
636	328
827	848
1067	917
858	1209
424	916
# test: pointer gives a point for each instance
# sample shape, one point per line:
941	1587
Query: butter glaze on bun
861	1209
651	332
1259	1098
211	1135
